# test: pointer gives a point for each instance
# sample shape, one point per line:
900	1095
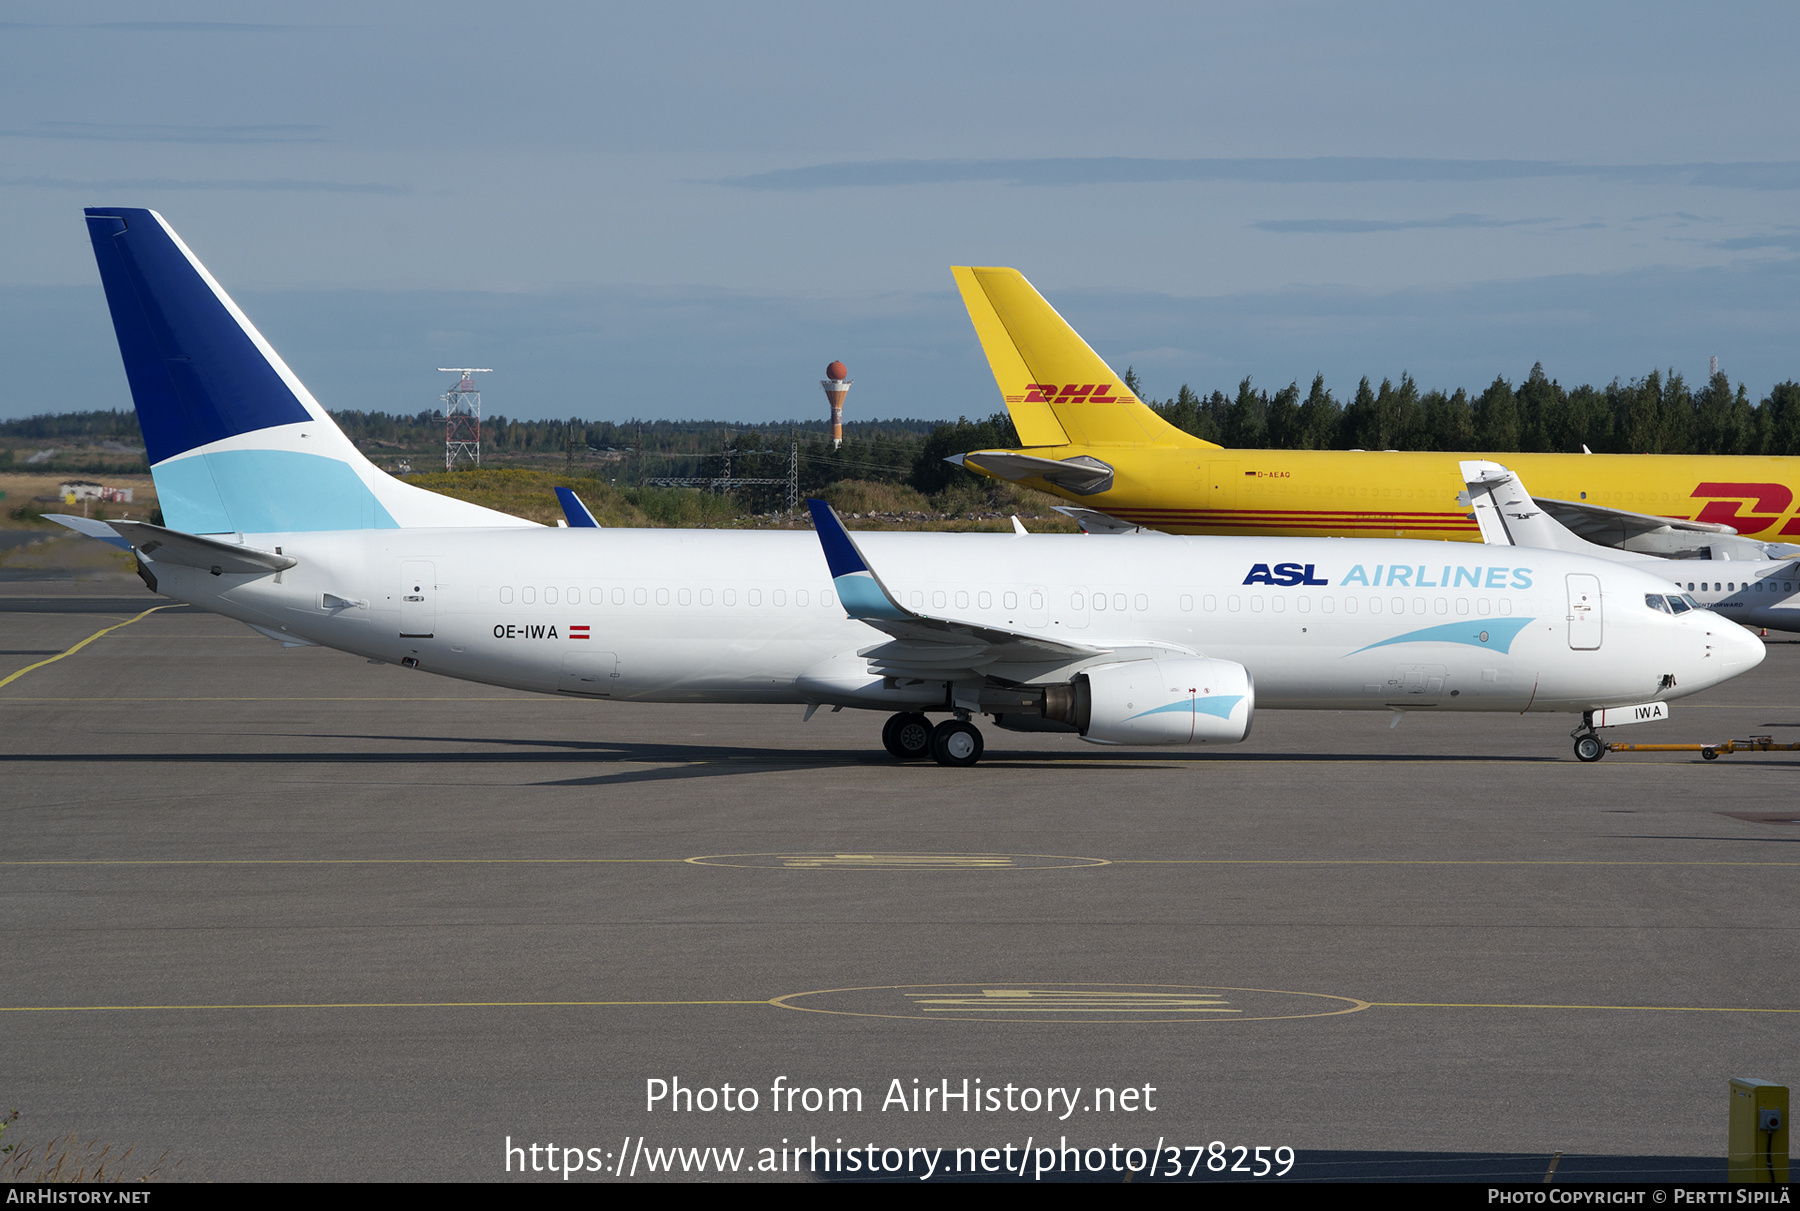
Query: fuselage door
418	599
1587	623
592	673
1220	490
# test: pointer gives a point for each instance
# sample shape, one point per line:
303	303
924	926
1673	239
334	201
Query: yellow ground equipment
1758	1151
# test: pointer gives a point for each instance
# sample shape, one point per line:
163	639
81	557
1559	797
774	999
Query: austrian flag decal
580	632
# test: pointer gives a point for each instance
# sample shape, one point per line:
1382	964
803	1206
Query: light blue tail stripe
265	492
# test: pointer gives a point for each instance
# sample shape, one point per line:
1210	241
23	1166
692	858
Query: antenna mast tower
462	418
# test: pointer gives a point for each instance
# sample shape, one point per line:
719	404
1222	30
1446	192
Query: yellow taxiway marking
1031	1000
1419	862
285	698
372	1005
1620	1008
333	861
12	677
900	862
990	1000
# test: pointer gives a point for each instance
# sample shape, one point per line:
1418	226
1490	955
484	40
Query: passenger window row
1761	586
640	595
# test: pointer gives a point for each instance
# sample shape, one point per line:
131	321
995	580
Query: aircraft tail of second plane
1057	389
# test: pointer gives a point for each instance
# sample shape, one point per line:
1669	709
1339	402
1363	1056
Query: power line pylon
462	418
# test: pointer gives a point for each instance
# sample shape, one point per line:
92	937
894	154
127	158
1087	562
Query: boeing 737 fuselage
275	519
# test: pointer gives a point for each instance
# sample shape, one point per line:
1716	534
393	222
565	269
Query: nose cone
1736	649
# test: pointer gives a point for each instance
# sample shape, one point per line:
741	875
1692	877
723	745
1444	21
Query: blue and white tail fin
236	443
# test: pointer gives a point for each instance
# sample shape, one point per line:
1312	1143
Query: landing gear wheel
1711	754
907	736
1589	748
956	742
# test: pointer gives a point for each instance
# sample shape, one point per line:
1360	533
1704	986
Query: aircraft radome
272	517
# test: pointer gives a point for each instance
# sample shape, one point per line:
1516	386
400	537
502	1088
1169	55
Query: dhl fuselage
1404	494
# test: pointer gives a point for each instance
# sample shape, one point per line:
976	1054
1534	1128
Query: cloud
276	185
1121	170
1748	243
161	27
1361	225
134	132
605	352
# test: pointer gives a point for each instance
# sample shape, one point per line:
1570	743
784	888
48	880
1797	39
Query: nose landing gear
1589	748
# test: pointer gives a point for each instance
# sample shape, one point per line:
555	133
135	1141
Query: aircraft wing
1598	523
1083	474
1510	517
920	642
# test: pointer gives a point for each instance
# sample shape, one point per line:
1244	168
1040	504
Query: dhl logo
1073	393
1771	503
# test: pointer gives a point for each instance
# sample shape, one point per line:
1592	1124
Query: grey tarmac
290	915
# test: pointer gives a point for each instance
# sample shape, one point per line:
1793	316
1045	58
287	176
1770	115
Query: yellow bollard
1759	1132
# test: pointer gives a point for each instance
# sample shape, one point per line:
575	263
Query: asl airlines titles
1395	576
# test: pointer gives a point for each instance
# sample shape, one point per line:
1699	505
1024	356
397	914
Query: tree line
1655	414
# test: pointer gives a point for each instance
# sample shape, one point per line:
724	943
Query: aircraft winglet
580	517
861	591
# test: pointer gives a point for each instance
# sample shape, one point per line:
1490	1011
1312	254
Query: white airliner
273	518
1751	591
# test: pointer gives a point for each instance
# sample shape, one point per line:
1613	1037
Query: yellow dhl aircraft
1090	440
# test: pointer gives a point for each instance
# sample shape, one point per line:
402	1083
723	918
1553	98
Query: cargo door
1587	623
595	674
1420	684
418	599
1219	492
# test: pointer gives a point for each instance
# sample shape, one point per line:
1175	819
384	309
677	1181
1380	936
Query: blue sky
687	209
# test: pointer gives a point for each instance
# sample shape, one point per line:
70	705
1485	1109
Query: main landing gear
909	736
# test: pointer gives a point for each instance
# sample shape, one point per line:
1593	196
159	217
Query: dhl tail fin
1058	390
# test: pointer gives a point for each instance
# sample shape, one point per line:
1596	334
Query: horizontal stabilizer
92	527
192	551
580	517
1083	475
1093	521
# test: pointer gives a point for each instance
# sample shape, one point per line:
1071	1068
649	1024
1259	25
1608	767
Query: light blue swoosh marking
863	598
1500	634
1222	706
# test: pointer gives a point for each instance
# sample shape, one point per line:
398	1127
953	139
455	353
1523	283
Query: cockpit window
1680	603
1655	601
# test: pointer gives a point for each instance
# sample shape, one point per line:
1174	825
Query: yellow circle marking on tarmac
1070	1003
870	860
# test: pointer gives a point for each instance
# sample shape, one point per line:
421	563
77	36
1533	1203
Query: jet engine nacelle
1178	700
